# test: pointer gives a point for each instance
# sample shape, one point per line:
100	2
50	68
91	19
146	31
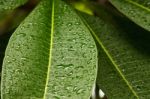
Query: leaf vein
50	51
139	5
111	59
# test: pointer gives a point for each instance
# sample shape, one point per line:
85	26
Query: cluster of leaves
59	53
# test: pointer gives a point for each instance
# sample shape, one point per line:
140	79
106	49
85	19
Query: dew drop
23	58
17	70
18	47
30	24
74	33
71	48
131	11
101	94
84	55
22	34
81	34
89	61
138	88
32	37
69	24
70	73
77	23
72	40
123	70
79	91
7	56
13	59
8	61
91	46
83	45
59	17
68	88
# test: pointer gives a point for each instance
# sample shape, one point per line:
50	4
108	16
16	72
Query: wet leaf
136	10
10	4
124	57
51	55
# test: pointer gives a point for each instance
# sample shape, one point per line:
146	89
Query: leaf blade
21	41
10	5
121	50
74	37
32	45
137	11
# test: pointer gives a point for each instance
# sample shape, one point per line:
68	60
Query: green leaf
51	56
136	10
124	57
10	4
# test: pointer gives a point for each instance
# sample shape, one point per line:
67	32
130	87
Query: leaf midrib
139	5
110	58
50	51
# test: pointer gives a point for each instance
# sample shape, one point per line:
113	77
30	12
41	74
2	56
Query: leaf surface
51	56
124	57
10	4
136	10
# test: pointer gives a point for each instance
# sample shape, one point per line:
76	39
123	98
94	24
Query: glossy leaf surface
50	56
10	4
136	10
124	54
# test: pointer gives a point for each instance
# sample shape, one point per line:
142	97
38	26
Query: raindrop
123	70
60	66
84	55
62	77
22	34
101	94
89	61
63	57
18	47
81	34
138	88
79	91
92	46
131	11
82	45
17	70
78	67
23	58
69	24
65	65
30	24
77	23
22	63
71	48
72	40
8	61
75	88
70	73
32	37
70	30
74	33
13	59
59	17
65	7
68	88
7	56
142	82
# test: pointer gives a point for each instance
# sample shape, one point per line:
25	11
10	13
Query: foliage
58	52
